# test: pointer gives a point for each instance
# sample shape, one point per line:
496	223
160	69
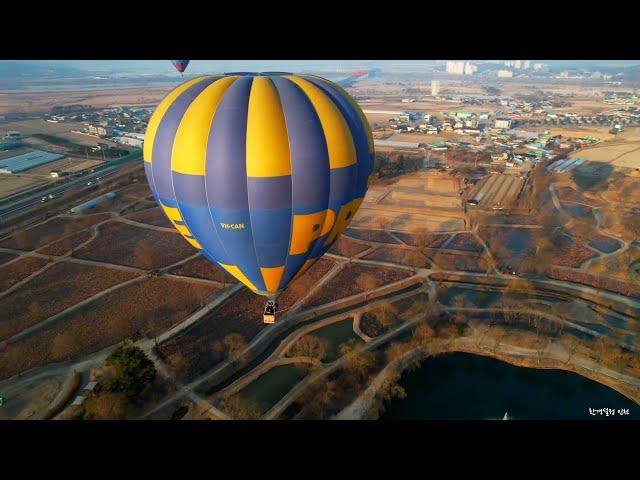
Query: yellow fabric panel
237	273
272	277
159	112
182	229
190	143
193	242
174	216
267	139
354	104
303	233
172	213
307	264
342	152
346	214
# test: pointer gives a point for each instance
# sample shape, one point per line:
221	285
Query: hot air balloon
180	65
260	172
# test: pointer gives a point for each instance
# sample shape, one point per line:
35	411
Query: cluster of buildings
460	68
10	141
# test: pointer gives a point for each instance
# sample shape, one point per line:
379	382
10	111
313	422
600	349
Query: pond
270	387
606	244
336	334
469	387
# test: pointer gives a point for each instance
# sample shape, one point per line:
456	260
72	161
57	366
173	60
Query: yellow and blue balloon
259	171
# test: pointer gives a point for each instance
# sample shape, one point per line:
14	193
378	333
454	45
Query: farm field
66	244
355	279
133	246
200	267
404	256
151	216
142	308
496	189
57	288
413	202
19	269
51	231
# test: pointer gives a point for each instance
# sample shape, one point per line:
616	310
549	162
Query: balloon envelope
260	172
180	65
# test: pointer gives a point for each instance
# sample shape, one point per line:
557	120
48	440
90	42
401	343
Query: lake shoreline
367	405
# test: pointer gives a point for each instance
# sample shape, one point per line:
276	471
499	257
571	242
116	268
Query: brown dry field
143	308
348	247
50	231
200	267
402	204
465	242
65	245
11	184
125	197
619	264
7	256
626	155
196	349
18	270
139	247
428	240
355	279
301	286
57	288
459	261
380	236
67	163
152	216
19	102
403	256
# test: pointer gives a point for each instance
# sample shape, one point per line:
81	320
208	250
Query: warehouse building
20	163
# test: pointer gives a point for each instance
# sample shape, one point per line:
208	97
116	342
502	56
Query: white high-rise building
469	69
435	88
455	68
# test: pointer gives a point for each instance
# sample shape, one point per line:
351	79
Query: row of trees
394	164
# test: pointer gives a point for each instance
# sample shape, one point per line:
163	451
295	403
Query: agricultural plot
125	244
510	246
19	270
379	236
354	279
152	216
50	231
413	202
303	285
57	288
6	257
403	256
463	262
465	242
571	253
348	247
496	190
147	308
426	240
624	265
200	347
65	245
200	267
630	289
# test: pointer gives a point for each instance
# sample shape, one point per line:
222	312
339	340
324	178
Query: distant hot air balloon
260	172
180	65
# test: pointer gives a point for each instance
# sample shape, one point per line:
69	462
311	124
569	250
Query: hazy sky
209	66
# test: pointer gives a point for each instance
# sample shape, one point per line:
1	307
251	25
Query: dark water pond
470	387
606	245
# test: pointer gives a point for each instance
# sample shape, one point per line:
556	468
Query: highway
8	209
